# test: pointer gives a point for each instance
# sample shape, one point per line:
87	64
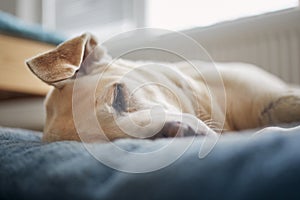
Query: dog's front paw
177	129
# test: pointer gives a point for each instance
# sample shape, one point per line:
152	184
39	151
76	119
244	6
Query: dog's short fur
254	98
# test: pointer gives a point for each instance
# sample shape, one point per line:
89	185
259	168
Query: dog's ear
55	66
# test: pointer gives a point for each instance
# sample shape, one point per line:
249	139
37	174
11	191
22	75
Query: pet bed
240	166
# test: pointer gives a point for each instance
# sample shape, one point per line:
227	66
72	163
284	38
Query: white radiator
271	41
277	52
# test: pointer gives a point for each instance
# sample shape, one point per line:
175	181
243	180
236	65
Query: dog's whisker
211	120
215	126
203	116
213	123
218	130
208	122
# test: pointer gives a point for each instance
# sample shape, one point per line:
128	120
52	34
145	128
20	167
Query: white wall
9	6
28	10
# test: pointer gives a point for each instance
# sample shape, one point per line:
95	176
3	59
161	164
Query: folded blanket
266	166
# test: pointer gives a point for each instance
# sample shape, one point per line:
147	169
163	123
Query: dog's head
59	68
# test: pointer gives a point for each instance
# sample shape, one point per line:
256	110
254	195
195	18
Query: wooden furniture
21	93
15	77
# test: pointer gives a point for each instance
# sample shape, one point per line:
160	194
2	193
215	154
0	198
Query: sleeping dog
152	100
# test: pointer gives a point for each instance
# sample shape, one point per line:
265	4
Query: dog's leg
285	108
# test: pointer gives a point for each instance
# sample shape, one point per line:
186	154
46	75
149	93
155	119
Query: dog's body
125	94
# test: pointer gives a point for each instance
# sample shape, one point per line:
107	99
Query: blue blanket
239	166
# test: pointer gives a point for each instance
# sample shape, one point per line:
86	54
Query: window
102	17
183	14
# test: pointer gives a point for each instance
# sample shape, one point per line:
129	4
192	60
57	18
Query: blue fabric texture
266	166
13	26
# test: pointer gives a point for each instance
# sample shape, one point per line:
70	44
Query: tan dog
150	100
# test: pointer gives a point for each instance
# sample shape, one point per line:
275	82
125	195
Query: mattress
241	165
